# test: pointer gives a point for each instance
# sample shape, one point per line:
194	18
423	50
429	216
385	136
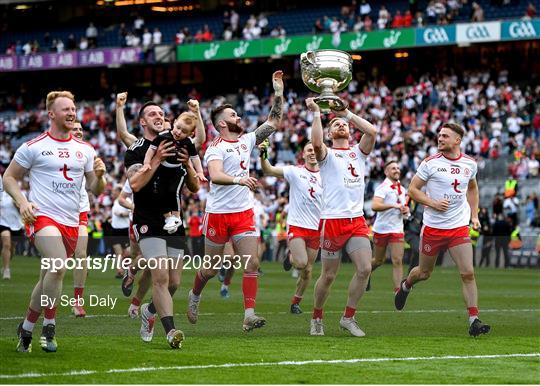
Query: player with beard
389	201
305	204
451	203
342	217
152	187
58	164
229	208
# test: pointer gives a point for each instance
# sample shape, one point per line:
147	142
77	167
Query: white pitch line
261	364
326	312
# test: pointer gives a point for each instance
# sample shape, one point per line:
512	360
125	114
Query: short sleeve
156	141
24	157
213	153
474	170
380	191
131	158
423	171
89	165
251	140
288	173
192	151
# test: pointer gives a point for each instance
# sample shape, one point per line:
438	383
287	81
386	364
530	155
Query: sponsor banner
436	35
295	45
478	32
521	29
70	59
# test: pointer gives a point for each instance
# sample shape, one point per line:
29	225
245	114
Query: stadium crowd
502	119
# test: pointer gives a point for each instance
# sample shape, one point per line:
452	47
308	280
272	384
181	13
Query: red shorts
69	234
220	227
336	232
434	240
83	219
383	239
312	237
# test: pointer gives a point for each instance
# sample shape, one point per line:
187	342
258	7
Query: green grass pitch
426	343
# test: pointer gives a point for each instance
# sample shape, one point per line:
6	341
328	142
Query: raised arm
276	113
472	199
121	126
367	143
317	134
13	175
200	130
267	168
95	180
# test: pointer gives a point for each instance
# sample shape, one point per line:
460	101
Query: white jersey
120	216
236	159
57	170
448	179
9	214
84	202
342	173
390	220
305	197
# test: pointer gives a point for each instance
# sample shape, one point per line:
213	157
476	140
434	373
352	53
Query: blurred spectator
477	12
407	19
318	27
71	43
235	23
530	12
122	33
278	31
486	230
364	9
368	24
227	34
502	229
156	37
91	35
262	23
226	20
138	25
397	22
358	25
83	44
146	39
384	18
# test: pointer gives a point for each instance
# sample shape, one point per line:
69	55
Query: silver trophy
327	72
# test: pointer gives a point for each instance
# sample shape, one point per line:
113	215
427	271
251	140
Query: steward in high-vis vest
474	235
510	187
515	239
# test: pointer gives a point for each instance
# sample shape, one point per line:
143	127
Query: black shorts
176	240
13	233
118	236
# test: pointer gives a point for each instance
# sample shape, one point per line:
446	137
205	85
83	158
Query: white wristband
317	114
236	180
349	116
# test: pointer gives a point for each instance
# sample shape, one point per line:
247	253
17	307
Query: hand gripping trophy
327	72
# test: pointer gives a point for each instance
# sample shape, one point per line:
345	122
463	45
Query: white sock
249	312
27	325
46	322
472	319
405	288
223	286
195	297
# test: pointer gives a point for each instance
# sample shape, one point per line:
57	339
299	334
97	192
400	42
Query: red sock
50	313
249	288
317	313
227	281
136	301
349	312
296	299
396	289
199	283
78	292
473	311
32	316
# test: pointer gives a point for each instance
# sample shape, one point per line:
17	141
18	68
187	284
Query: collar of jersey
453	159
58	139
229	140
309	170
342	148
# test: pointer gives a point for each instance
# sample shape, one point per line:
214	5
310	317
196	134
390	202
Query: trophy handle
331	102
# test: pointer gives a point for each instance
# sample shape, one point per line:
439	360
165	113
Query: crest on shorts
144	229
327	243
211	232
427	247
